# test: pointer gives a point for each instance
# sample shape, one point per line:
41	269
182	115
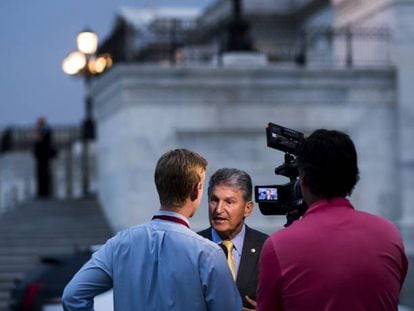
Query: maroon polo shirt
334	258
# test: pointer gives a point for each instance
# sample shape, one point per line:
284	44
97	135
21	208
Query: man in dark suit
230	202
44	152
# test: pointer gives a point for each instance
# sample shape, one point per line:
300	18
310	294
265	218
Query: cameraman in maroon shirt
335	257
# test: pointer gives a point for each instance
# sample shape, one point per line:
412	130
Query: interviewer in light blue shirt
162	264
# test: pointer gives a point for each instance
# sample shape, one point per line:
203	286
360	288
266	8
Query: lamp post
86	64
238	30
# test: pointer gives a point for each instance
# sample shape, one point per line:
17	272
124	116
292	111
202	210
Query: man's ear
304	180
248	208
195	192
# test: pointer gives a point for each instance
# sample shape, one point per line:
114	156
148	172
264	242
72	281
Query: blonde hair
176	174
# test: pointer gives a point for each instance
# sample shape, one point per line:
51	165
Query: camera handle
288	169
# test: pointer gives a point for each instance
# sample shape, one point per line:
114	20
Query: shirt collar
173	214
237	240
326	204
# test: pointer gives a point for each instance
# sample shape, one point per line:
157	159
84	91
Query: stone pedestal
143	111
253	59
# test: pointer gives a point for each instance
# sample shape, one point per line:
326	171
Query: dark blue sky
35	37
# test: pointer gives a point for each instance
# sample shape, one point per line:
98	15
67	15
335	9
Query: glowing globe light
87	42
74	63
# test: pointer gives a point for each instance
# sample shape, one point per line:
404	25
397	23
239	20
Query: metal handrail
21	138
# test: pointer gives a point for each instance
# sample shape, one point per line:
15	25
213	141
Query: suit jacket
247	275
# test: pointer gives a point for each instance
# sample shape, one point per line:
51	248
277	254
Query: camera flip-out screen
265	193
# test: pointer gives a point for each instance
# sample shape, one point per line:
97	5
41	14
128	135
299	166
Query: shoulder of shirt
293	232
297	228
204	241
192	236
133	229
378	220
124	233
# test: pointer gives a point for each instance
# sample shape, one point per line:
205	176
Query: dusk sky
35	37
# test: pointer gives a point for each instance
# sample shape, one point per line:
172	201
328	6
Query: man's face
227	210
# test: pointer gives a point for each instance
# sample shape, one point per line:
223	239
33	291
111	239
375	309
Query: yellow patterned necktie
230	258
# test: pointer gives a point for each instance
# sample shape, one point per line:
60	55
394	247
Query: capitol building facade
308	64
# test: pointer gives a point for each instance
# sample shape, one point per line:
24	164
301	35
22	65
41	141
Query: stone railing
17	165
324	47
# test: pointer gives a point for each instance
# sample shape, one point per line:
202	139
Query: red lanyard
171	218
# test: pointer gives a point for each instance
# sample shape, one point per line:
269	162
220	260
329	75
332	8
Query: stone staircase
45	227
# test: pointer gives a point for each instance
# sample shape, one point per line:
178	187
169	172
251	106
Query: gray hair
231	177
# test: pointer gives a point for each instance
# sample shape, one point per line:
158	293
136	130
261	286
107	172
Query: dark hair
232	177
176	174
328	159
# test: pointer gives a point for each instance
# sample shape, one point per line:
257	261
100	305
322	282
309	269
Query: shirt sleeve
269	295
220	290
94	278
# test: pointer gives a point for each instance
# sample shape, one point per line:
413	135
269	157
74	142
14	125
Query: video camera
283	199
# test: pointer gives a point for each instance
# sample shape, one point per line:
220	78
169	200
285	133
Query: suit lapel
248	260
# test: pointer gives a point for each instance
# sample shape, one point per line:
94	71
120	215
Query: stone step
4	306
66	224
39	214
41	251
11	276
12	267
51	242
5	295
101	234
45	228
95	233
7	284
17	259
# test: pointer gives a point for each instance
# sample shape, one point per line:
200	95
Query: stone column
403	52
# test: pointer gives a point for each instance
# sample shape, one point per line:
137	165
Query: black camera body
283	199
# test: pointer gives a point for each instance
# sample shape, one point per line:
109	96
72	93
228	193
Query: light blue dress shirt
238	241
159	265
